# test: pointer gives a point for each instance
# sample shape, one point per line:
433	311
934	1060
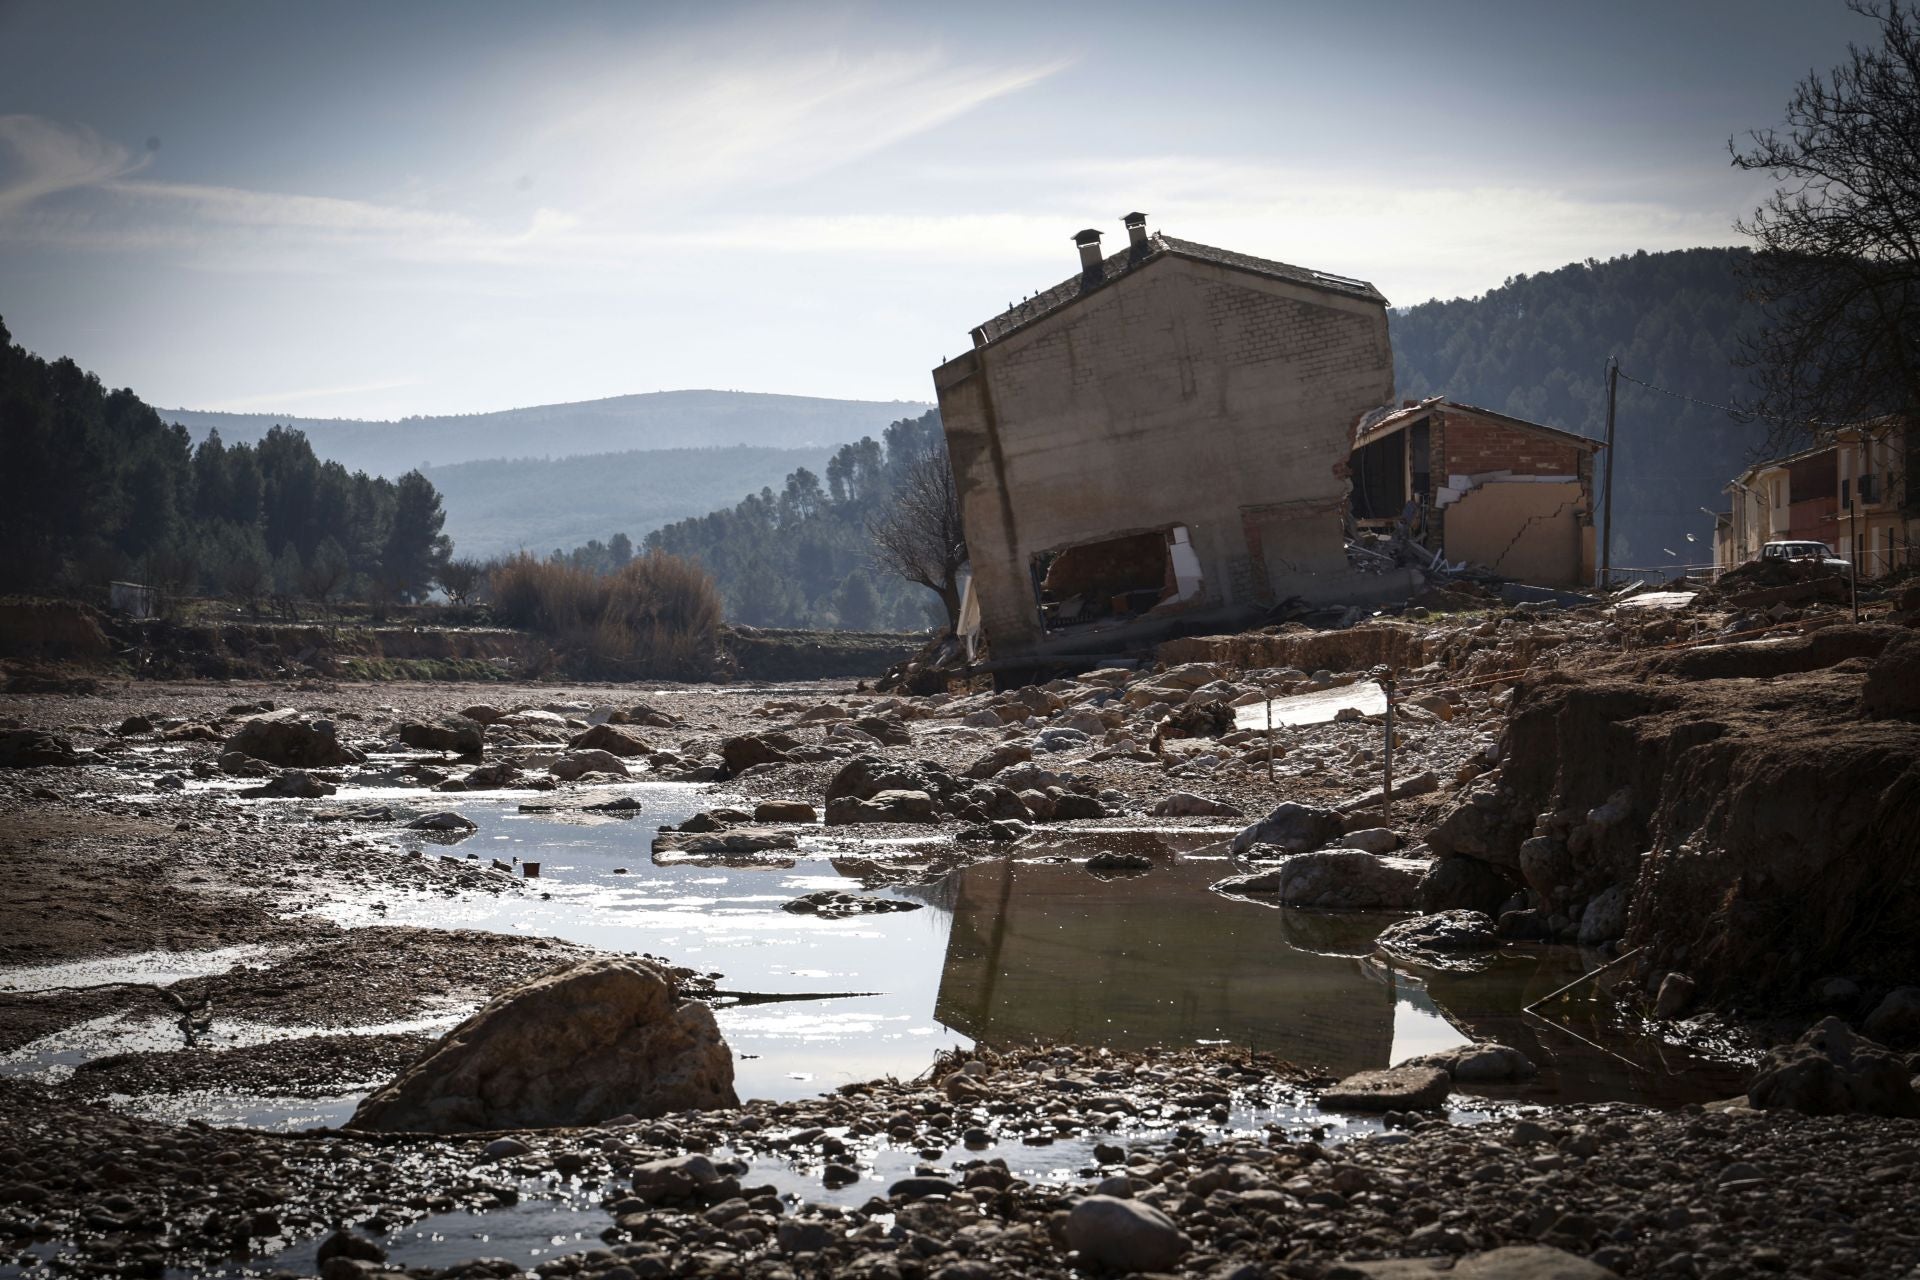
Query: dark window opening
1116	579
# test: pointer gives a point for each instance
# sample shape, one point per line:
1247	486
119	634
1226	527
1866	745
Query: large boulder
865	777
1443	931
1004	756
578	764
1831	1070
1481	826
455	734
1335	879
1896	1019
1512	1262
1294	827
746	751
611	739
1124	1235
292	784
1407	1088
884	806
1185	804
1464	884
602	1038
1481	1063
34	749
290	740
1893	682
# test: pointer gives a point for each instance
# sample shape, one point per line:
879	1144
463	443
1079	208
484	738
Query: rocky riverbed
233	904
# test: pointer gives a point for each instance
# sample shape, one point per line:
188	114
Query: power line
1739	415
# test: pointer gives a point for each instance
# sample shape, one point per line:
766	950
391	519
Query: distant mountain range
503	505
655	420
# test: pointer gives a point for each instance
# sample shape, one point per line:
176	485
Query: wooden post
1267	692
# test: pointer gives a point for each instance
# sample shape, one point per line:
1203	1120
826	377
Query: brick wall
1474	446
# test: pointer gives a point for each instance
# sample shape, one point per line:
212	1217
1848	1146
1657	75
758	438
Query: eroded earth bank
1098	976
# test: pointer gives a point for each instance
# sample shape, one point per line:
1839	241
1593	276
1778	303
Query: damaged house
1474	486
1161	441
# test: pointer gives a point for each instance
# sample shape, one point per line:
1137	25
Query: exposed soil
1773	804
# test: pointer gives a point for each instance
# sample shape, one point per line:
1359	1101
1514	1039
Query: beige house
1159	439
1848	491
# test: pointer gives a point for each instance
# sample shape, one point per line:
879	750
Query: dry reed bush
659	616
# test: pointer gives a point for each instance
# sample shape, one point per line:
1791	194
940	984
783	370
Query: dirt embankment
1765	826
47	644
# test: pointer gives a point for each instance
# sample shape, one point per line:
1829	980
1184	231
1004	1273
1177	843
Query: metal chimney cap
1089	236
1134	219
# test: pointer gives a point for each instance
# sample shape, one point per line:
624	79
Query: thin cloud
44	157
286	399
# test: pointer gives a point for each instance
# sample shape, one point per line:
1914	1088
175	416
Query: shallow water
1032	948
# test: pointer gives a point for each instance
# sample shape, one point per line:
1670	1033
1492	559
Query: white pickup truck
1818	552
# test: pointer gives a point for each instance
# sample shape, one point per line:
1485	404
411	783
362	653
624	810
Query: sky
350	209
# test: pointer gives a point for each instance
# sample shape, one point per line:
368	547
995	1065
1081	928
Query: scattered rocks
1117	861
600	1038
445	820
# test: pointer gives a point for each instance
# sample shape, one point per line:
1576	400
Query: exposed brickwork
1474	446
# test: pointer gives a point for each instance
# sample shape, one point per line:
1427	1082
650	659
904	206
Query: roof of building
1117	267
1369	431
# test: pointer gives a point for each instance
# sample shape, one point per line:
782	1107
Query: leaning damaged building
1160	439
1164	442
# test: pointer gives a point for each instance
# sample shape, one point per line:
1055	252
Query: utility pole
1853	546
1606	544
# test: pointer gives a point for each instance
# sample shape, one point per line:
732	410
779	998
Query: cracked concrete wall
1183	393
1529	532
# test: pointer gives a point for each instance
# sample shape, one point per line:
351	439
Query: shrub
656	617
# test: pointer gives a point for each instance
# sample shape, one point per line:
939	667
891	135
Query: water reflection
1042	950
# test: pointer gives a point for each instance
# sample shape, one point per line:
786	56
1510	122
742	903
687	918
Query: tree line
95	487
849	550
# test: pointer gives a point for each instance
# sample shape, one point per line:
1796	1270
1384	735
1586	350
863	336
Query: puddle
1317	707
54	1057
1010	951
158	967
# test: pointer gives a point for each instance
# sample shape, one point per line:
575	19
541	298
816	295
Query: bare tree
917	534
461	578
1838	266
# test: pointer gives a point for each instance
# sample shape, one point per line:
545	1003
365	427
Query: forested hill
656	420
1537	347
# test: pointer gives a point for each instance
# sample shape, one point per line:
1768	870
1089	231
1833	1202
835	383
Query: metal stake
1386	791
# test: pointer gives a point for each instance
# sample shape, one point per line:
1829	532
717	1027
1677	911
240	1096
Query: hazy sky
348	209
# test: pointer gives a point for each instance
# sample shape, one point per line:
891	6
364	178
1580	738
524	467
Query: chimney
1136	232
1090	257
